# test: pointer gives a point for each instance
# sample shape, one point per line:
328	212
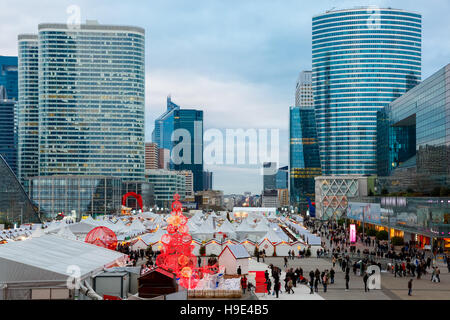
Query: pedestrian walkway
301	292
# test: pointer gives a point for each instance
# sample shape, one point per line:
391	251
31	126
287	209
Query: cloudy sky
237	60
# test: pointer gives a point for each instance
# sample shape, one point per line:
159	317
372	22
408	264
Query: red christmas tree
176	254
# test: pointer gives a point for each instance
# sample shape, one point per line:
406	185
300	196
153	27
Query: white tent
49	258
136	226
66	233
244	230
205	231
227	228
272	236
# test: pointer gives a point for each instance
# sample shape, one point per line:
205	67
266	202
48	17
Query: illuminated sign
352	233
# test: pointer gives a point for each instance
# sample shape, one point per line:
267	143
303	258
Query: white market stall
234	256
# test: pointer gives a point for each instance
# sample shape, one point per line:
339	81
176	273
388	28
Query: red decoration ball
102	237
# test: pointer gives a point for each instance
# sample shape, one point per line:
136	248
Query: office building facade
207	180
269	175
304	156
28	116
9	76
164	126
190	121
8	129
15	205
304	96
91	100
151	155
166	184
75	195
416	133
363	58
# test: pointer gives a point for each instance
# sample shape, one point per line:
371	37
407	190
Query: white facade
232	261
303	90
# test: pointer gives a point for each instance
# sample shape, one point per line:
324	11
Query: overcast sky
236	60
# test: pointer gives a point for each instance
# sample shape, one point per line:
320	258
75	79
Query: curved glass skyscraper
91	100
363	58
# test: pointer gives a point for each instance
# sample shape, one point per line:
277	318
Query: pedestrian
332	276
199	261
311	285
277	287
325	282
289	286
365	278
347	279
243	284
269	285
410	286
285	262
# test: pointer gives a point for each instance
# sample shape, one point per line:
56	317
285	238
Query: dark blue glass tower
192	121
8	76
164	126
304	156
8	130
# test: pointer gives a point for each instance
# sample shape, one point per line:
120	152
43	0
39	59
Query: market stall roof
66	233
245	227
272	236
237	250
226	227
50	257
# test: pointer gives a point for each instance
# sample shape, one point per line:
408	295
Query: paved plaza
392	288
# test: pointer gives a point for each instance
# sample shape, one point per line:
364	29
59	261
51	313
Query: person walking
311	285
438	272
277	288
243	284
285	262
365	278
325	282
410	287
347	279
289	286
269	285
332	272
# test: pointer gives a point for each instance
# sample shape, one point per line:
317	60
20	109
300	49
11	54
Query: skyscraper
269	175
151	155
8	129
303	90
207	180
191	121
28	116
91	90
164	126
304	156
8	76
363	58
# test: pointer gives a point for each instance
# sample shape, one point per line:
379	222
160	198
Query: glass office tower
28	116
417	132
8	76
303	156
8	129
15	205
91	100
363	58
192	121
164	126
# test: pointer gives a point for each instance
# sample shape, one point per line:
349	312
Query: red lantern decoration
102	237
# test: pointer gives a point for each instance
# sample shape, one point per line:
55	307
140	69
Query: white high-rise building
303	90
